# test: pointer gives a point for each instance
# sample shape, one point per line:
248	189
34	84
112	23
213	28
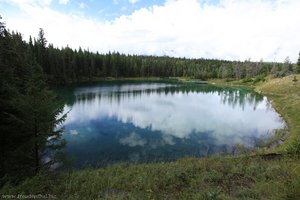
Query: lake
121	122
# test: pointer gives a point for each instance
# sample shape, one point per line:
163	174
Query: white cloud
133	1
63	2
32	2
231	29
124	8
82	5
74	132
168	139
133	140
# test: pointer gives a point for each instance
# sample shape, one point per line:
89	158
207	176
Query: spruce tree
30	115
8	90
298	65
40	113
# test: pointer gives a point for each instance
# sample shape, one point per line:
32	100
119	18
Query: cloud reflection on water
229	116
148	122
133	140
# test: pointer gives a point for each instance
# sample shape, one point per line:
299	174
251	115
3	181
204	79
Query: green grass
245	177
220	177
284	94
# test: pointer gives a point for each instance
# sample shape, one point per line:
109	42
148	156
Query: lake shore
284	95
246	176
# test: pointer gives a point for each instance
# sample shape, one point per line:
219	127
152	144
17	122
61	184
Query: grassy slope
208	178
244	177
285	97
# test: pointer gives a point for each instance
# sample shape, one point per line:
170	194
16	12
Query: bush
247	80
259	78
295	79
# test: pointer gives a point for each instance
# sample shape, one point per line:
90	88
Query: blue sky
104	9
96	9
225	29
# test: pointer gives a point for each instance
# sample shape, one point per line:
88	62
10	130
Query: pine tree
7	91
40	113
2	27
30	114
41	38
286	67
298	65
41	50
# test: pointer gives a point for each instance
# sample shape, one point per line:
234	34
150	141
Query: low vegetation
210	178
284	94
246	177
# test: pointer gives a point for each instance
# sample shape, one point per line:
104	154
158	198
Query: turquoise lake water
121	122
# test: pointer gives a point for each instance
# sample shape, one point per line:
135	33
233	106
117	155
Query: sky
219	29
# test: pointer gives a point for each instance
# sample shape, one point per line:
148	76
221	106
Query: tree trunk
36	147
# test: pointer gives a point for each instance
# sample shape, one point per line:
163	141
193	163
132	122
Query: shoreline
275	90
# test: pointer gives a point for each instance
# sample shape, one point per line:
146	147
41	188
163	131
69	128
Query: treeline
69	66
29	111
65	65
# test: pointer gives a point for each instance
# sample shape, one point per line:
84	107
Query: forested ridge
31	112
65	65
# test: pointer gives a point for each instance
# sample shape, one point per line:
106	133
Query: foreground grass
243	177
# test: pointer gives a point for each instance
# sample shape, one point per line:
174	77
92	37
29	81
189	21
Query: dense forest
31	113
63	66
